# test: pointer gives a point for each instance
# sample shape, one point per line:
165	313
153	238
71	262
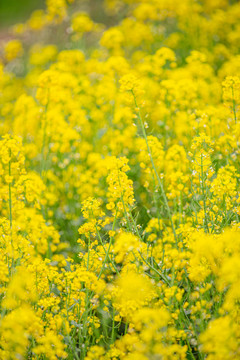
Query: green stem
106	253
42	167
204	198
160	184
155	270
109	246
234	107
10	196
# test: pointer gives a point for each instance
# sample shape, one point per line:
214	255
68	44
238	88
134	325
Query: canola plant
119	174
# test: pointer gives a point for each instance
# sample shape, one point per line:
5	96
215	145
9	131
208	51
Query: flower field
119	181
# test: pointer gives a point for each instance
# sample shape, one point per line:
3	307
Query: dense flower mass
119	174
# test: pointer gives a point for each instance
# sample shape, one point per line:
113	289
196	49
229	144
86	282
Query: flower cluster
119	182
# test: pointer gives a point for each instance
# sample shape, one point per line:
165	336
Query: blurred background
12	11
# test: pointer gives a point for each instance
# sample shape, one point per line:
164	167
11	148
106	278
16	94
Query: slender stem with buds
159	181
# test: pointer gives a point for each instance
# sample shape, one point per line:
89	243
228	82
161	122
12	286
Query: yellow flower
13	49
